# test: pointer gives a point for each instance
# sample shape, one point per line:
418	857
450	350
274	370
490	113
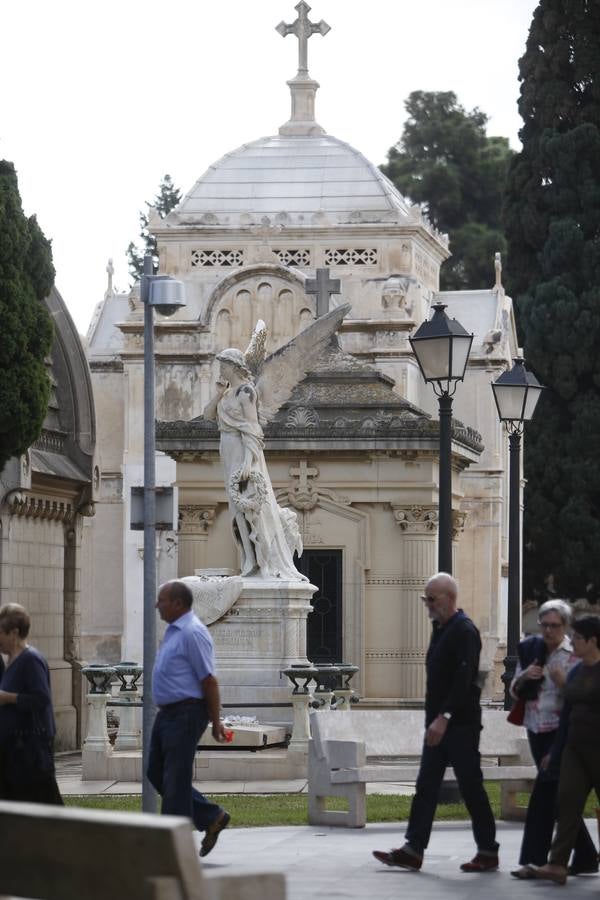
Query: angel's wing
256	351
286	368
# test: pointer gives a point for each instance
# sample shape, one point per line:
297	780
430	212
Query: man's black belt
195	700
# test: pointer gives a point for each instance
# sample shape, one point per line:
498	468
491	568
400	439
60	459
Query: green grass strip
252	810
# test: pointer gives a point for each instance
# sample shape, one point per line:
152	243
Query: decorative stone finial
498	268
303	28
303	88
110	270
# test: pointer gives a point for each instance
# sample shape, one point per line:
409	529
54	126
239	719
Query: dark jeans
173	743
458	748
539	744
541	815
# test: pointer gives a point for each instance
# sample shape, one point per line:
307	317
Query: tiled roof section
292	178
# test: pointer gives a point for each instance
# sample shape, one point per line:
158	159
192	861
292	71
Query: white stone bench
349	749
56	853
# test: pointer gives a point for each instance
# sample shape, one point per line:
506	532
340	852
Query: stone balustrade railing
331	691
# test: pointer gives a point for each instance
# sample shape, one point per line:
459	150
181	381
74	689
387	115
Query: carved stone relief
195	519
32	507
285	310
458	523
416	519
394	296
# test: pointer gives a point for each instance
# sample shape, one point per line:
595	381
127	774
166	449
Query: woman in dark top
579	735
27	726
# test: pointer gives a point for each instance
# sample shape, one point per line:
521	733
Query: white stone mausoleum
354	451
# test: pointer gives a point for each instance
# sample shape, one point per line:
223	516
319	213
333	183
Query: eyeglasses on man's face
552	625
428	598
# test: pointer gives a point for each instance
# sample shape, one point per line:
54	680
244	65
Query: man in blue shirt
186	692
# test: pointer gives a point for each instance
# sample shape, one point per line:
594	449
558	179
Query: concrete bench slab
350	748
56	853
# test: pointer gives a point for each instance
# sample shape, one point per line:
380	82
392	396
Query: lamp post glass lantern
441	347
166	295
516	393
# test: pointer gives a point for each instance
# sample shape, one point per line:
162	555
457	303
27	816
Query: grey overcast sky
100	100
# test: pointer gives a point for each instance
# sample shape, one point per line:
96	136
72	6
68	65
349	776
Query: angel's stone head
234	358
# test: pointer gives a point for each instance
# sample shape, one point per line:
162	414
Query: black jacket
530	649
453	671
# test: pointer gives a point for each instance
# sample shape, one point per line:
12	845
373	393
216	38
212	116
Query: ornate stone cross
303	28
322	287
303	472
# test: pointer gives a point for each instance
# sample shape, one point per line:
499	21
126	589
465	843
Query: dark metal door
323	568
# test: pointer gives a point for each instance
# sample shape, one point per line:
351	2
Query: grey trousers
579	773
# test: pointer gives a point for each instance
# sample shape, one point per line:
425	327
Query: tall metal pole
149	800
513	625
445	488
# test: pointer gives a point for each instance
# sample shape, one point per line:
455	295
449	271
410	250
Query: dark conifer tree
26	278
446	162
552	216
167	198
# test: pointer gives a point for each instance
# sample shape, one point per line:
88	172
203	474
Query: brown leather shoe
211	835
481	862
401	858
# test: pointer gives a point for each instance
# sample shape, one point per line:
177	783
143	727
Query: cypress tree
552	217
26	278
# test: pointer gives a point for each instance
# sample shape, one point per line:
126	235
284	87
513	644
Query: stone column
194	523
418	551
301	724
97	736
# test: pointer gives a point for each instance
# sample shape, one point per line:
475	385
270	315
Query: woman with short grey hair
564	610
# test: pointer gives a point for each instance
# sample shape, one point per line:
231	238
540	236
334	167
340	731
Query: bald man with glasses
452	731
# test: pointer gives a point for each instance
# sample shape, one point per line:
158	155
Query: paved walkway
336	863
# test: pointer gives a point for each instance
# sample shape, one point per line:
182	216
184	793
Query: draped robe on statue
272	530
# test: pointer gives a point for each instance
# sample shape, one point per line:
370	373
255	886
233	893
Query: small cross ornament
322	287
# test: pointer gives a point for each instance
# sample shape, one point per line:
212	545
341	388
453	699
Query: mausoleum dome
292	179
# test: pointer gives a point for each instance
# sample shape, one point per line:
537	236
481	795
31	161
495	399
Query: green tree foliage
167	198
26	278
552	216
446	162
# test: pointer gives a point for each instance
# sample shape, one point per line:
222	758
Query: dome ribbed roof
292	179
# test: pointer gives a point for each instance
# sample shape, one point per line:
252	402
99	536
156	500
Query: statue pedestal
262	634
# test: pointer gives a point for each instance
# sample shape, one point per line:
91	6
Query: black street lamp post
516	394
441	347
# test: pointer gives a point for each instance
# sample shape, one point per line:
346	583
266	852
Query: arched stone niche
268	292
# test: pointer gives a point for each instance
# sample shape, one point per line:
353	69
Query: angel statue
250	391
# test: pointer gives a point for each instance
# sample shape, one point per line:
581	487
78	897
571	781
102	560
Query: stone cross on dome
303	87
303	28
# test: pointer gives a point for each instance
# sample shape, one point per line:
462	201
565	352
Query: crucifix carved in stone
322	287
303	28
303	472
